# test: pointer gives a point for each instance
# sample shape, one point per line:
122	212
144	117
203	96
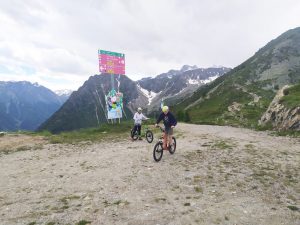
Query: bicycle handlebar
162	129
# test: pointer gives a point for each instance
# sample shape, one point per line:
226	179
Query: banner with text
111	62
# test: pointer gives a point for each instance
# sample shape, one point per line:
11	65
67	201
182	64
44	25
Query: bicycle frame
145	132
163	138
144	129
160	146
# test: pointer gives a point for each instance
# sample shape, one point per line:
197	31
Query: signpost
112	63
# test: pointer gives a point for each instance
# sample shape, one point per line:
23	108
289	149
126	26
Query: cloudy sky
55	42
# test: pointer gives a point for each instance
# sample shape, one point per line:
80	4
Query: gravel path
218	175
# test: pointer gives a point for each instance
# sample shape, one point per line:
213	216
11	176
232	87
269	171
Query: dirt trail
218	175
256	98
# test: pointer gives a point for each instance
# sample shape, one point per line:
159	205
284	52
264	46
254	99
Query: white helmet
139	109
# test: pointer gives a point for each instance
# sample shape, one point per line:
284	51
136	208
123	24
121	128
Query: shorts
169	131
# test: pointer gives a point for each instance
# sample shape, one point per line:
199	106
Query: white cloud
55	42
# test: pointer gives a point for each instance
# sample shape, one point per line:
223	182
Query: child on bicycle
138	118
169	123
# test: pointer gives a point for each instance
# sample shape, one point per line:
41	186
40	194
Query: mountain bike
159	149
145	131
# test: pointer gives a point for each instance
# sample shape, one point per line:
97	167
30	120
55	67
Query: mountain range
177	85
24	106
63	94
250	95
86	107
243	95
238	98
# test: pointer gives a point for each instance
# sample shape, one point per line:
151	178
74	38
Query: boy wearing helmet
138	118
170	122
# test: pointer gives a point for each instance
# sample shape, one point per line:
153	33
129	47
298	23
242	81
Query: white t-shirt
138	117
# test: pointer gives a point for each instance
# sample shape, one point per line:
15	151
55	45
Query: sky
55	42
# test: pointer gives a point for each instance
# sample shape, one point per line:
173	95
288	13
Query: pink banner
111	62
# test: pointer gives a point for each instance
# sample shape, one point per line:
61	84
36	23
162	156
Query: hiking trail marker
112	63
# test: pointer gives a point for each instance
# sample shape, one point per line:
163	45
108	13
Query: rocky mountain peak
187	67
86	107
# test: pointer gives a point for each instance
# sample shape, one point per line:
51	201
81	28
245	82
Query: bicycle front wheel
149	136
158	152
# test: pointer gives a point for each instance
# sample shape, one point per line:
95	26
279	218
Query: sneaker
140	138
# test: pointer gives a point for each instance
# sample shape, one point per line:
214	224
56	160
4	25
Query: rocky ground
218	175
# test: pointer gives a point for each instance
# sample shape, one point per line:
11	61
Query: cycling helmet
165	108
139	109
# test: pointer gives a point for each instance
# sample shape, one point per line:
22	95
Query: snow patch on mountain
63	92
210	79
198	82
149	94
191	81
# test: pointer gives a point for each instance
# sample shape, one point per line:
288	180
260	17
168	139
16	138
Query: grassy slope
292	99
213	109
105	131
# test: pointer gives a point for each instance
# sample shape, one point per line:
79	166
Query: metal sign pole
112	88
112	82
118	92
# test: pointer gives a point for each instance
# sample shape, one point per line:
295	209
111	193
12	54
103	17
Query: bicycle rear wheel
158	151
135	135
172	148
149	136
